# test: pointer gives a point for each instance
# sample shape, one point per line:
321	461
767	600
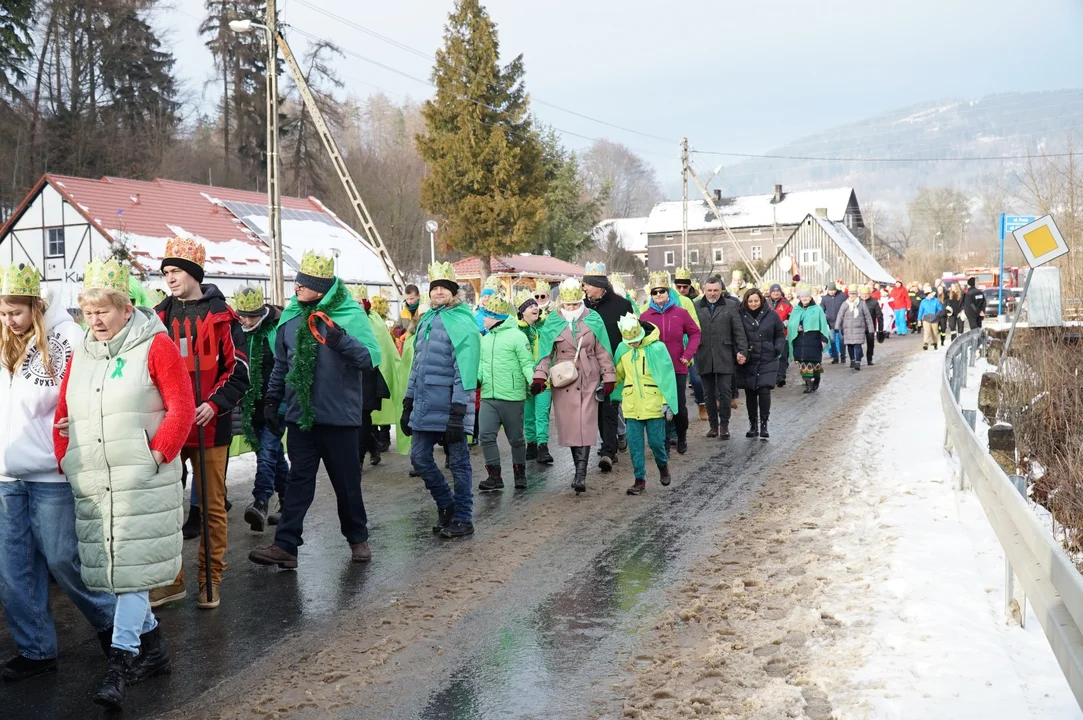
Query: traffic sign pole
1000	276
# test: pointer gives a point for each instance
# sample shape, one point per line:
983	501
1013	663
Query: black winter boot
113	689
753	421
153	658
637	487
520	476
815	383
544	458
808	386
105	639
763	430
581	456
494	481
256	515
193	525
374	454
663	475
532	451
444	518
23	668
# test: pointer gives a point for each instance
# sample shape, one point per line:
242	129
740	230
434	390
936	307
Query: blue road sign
1014	222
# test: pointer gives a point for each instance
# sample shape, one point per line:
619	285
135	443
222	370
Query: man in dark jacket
974	304
722	339
611	307
877	314
198	312
324	343
782	307
831	303
259	321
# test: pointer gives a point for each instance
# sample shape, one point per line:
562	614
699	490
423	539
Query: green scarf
661	366
265	333
344	311
812	318
465	339
554	325
138	294
531	332
389	368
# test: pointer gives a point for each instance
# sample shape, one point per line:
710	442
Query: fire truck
987	278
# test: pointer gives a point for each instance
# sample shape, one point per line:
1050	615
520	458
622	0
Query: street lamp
274	201
432	227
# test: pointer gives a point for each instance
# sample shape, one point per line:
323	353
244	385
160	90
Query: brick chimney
717	196
778	194
821	212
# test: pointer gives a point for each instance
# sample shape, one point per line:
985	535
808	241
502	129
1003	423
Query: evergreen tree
570	214
16	19
486	176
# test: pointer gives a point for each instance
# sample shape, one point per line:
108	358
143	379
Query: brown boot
361	552
169	593
205	602
273	555
733	404
702	412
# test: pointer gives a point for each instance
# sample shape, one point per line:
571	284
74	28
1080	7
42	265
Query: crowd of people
104	420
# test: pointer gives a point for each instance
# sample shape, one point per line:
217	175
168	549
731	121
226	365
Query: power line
757	156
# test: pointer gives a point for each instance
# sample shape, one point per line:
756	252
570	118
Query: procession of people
108	422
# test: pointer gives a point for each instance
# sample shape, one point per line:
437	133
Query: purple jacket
673	324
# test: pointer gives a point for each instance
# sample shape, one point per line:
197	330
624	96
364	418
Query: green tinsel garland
255	378
302	373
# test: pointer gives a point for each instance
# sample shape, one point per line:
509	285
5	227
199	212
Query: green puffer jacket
507	363
127	509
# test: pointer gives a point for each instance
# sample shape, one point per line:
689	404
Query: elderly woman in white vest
125	410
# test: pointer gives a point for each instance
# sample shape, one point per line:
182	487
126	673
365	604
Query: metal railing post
1020	484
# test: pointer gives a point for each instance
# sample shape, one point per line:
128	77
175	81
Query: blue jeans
272	470
836	346
855	352
37	537
421	456
900	322
132	618
697	385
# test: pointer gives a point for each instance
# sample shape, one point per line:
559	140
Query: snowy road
830	570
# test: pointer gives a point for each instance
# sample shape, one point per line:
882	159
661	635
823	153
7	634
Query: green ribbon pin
118	372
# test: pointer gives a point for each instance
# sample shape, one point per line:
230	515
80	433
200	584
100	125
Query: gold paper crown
542	286
851	289
658	279
318	265
359	292
617	281
683	274
571	290
865	289
523	296
248	298
738	275
442	271
630	329
696	285
22	280
594	268
498	304
186	249
379	305
108	275
493	283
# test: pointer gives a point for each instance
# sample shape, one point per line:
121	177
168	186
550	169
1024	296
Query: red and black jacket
223	356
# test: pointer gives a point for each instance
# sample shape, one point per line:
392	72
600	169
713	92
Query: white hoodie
28	400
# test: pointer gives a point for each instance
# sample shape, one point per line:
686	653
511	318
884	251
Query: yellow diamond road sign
1041	241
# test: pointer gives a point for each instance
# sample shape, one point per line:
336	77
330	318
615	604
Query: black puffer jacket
766	344
611	307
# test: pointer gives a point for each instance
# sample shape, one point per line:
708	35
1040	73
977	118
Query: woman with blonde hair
126	408
37	510
956	318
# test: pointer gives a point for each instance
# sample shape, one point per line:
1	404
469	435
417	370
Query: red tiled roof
151	207
531	265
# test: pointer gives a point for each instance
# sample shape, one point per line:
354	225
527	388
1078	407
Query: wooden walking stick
197	351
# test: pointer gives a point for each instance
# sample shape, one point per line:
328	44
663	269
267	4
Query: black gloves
332	334
880	336
454	432
404	421
537	387
270	415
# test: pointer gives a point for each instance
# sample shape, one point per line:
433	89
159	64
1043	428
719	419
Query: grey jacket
723	336
853	327
336	383
435	384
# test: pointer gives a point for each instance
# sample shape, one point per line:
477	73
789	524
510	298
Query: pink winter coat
673	324
575	408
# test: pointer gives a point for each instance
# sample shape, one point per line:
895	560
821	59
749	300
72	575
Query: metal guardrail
1050	580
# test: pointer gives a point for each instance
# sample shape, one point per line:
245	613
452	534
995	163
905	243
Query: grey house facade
822	251
762	224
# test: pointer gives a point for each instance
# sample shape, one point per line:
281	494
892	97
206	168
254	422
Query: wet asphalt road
543	645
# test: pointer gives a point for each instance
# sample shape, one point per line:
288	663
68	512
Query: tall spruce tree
486	176
16	20
570	212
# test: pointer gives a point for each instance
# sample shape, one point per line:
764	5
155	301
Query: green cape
138	294
555	324
461	327
812	318
660	365
265	333
344	311
391	368
402	442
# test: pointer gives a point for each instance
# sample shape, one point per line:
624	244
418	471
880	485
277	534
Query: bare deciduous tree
631	183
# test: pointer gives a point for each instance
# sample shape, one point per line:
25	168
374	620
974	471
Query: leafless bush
1044	404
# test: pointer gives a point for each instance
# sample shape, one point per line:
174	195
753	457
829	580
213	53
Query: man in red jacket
900	303
194	308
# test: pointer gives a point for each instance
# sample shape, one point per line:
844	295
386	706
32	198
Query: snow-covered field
926	634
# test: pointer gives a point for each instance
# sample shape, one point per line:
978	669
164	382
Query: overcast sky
735	76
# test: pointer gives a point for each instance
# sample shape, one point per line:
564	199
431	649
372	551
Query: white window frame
693	256
668	259
719	256
811	257
49	235
757	252
755	231
669	238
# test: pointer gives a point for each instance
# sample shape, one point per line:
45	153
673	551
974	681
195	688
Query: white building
65	222
630	235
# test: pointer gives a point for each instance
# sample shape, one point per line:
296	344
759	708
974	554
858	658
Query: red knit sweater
169	375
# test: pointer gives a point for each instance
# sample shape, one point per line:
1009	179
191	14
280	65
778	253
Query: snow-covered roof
748	211
852	247
630	233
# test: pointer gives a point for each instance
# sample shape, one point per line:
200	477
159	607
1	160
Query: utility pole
872	236
684	202
274	196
